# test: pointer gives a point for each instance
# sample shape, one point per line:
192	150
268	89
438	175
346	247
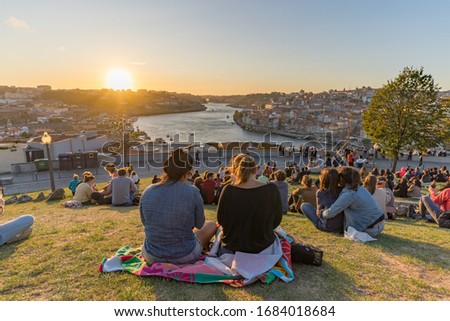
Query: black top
248	217
324	201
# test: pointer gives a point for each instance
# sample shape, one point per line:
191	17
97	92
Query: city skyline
221	48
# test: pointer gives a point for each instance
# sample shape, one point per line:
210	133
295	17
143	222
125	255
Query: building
64	144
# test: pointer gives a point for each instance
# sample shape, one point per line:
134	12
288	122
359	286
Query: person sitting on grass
199	184
436	203
401	188
361	211
173	215
327	194
306	193
15	230
391	210
414	189
209	187
74	183
280	177
134	177
380	195
248	210
122	189
85	189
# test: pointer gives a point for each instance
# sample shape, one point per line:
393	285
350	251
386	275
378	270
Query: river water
215	124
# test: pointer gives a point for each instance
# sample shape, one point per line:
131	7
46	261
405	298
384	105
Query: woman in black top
327	194
248	210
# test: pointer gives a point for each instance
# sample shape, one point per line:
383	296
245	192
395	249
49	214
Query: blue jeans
376	230
310	212
426	204
14	227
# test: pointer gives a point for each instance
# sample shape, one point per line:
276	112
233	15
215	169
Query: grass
60	261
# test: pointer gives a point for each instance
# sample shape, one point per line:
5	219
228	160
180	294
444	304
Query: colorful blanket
130	260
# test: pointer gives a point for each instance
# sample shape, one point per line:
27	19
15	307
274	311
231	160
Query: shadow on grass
311	283
425	252
6	250
120	209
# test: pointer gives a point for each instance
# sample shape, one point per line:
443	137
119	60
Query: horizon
221	49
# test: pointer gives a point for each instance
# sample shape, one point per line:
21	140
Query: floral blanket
130	260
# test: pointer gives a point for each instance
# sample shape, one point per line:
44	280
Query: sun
119	79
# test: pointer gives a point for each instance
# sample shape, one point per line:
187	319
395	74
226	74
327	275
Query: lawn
60	261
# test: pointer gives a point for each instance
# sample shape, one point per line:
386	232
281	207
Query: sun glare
118	79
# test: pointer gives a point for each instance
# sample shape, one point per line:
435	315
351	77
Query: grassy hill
60	261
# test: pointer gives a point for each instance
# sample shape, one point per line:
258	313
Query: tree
407	114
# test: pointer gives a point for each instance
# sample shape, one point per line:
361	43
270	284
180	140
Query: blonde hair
243	167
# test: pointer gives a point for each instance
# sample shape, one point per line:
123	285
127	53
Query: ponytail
243	167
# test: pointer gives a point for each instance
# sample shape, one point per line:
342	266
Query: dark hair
198	182
122	172
110	168
307	181
280	175
350	178
176	166
329	180
370	183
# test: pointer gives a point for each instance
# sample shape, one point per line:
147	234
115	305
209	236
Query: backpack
306	254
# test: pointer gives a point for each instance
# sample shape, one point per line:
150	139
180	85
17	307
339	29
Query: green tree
407	114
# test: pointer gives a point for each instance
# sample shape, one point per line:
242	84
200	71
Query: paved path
36	181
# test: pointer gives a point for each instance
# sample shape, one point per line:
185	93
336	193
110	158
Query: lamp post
220	149
46	140
375	148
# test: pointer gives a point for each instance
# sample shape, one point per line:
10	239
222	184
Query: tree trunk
394	163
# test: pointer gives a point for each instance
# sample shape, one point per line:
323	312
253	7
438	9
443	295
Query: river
215	124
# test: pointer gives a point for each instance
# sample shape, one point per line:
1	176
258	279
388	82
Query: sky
222	47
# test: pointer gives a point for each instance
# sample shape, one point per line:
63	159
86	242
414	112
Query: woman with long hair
327	194
248	210
361	211
173	215
380	195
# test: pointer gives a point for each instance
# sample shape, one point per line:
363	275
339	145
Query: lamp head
46	139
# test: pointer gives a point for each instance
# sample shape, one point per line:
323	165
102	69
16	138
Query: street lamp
375	148
220	149
46	140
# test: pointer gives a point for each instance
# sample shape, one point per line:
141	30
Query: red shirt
443	199
209	186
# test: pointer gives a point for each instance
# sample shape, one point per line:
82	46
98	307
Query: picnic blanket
235	270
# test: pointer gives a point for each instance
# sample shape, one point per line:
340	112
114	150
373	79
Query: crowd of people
251	201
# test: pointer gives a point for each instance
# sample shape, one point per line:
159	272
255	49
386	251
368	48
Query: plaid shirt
169	212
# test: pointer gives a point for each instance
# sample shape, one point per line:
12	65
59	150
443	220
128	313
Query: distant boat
13	149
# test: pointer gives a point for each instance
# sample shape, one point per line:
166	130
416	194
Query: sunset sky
222	47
